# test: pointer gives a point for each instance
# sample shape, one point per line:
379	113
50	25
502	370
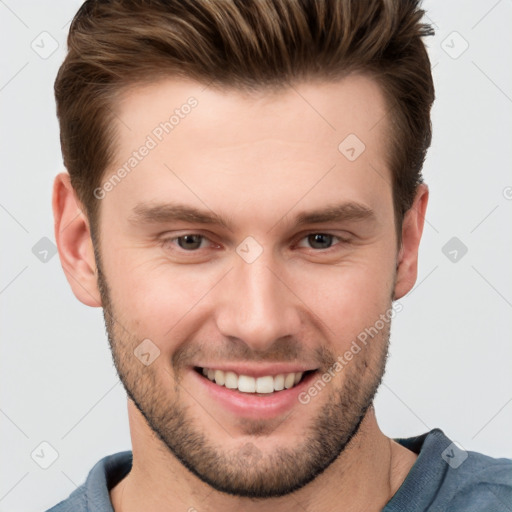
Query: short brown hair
249	45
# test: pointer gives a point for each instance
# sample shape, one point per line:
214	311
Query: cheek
162	301
347	298
155	299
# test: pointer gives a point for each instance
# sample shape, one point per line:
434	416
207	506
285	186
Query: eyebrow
151	213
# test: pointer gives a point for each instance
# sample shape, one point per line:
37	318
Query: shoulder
447	478
93	495
480	483
76	502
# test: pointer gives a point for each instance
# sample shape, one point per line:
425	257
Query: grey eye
320	240
190	242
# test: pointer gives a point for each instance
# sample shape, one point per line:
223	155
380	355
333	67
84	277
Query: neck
364	477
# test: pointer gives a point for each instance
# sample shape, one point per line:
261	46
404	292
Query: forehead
324	141
325	111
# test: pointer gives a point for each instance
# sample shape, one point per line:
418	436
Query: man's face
261	297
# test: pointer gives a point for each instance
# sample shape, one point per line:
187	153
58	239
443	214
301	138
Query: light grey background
450	354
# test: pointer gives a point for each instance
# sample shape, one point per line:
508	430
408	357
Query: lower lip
253	405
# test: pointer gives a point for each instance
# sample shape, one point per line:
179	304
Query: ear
74	242
412	229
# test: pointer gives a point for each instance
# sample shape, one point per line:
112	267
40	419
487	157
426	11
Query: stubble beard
248	471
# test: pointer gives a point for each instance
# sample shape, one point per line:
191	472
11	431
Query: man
283	142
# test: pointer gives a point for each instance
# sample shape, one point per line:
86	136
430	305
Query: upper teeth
247	384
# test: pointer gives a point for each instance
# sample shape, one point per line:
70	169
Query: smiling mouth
267	384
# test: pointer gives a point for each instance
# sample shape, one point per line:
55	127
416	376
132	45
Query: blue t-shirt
444	478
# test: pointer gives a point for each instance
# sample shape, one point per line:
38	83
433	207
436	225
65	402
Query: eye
189	242
192	242
320	240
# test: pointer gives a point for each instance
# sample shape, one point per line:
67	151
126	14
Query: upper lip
259	370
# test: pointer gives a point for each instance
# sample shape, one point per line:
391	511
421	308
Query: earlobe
412	229
73	237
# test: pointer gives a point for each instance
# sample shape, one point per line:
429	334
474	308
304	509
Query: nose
256	305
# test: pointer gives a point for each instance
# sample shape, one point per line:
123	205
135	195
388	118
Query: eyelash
341	240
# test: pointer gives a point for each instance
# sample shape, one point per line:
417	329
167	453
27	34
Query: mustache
285	350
